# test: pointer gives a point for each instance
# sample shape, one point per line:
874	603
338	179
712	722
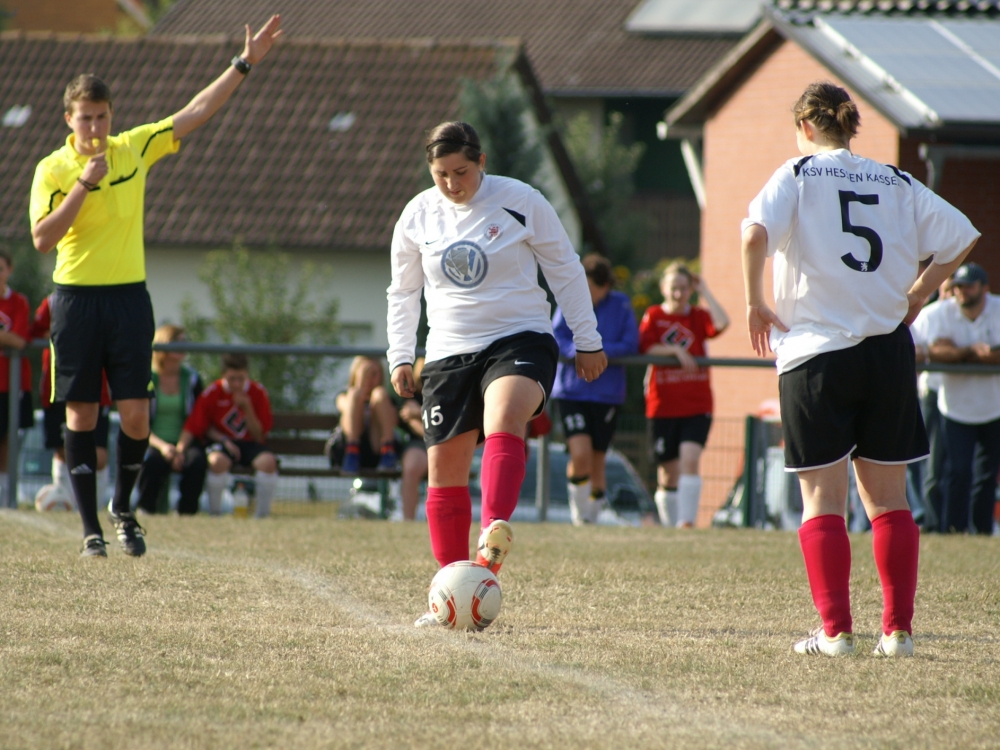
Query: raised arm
210	99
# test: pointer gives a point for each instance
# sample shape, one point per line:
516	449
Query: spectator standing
473	245
966	328
86	200
365	437
15	332
54	414
589	411
176	388
234	413
847	235
679	398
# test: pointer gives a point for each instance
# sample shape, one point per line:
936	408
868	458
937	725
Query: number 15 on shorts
432	417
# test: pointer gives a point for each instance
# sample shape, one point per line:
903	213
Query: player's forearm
254	424
8	339
183	442
207	102
947	352
754	253
935	275
159	443
719	317
47	233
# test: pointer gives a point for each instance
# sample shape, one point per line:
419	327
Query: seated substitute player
86	202
589	411
679	399
847	234
15	332
235	413
176	388
365	437
473	245
414	449
54	414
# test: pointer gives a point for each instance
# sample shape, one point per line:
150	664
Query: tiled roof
577	47
321	147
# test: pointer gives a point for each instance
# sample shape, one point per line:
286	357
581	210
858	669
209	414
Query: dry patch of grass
297	632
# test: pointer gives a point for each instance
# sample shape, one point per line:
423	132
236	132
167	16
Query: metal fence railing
542	490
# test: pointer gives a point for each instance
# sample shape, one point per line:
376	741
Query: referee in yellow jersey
87	203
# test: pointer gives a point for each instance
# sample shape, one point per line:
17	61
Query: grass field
296	632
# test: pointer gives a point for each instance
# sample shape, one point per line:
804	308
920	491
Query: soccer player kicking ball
473	244
846	234
86	202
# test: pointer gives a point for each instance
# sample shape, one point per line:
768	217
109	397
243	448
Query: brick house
81	16
316	154
927	84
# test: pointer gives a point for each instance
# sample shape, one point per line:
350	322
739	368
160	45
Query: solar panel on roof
660	16
951	65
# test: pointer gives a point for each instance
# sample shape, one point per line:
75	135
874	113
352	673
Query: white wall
359	283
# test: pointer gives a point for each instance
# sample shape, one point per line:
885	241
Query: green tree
260	298
606	168
498	109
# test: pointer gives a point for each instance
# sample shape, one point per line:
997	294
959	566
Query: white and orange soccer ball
465	596
53	497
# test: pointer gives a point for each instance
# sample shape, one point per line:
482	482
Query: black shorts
589	418
670	432
336	446
453	387
97	328
26	413
249	450
860	402
55	426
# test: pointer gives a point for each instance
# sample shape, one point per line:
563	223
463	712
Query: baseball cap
969	273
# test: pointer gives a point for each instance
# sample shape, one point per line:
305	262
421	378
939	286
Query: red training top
215	408
15	317
671	392
40	329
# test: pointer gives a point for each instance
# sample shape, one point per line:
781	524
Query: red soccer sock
501	475
896	544
449	517
826	549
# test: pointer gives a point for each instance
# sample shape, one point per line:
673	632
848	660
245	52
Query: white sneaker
494	543
897	643
576	514
818	642
426	620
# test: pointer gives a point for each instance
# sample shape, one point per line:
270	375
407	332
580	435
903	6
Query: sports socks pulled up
131	452
81	459
896	545
688	498
826	549
449	518
216	484
578	489
267	486
501	476
666	506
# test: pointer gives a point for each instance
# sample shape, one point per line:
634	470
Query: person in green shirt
175	388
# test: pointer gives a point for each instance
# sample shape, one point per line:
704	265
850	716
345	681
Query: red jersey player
15	322
679	399
55	414
235	413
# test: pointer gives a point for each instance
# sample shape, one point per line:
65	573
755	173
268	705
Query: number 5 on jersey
432	417
866	233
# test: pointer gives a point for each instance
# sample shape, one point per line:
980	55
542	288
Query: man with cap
966	328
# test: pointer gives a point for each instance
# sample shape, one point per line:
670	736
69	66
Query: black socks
81	460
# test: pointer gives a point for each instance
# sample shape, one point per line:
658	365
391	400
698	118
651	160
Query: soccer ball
53	497
464	596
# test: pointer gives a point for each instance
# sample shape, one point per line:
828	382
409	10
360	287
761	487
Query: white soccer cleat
494	543
426	620
897	643
818	643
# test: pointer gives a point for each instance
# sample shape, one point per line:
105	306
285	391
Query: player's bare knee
219	462
266	463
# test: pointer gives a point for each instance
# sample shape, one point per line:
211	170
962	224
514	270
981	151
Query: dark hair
678	268
598	269
830	109
86	87
235	362
451	138
6	255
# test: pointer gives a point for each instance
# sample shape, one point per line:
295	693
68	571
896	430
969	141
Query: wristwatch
241	65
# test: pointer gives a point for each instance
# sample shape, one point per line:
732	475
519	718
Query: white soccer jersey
477	264
846	234
970	399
